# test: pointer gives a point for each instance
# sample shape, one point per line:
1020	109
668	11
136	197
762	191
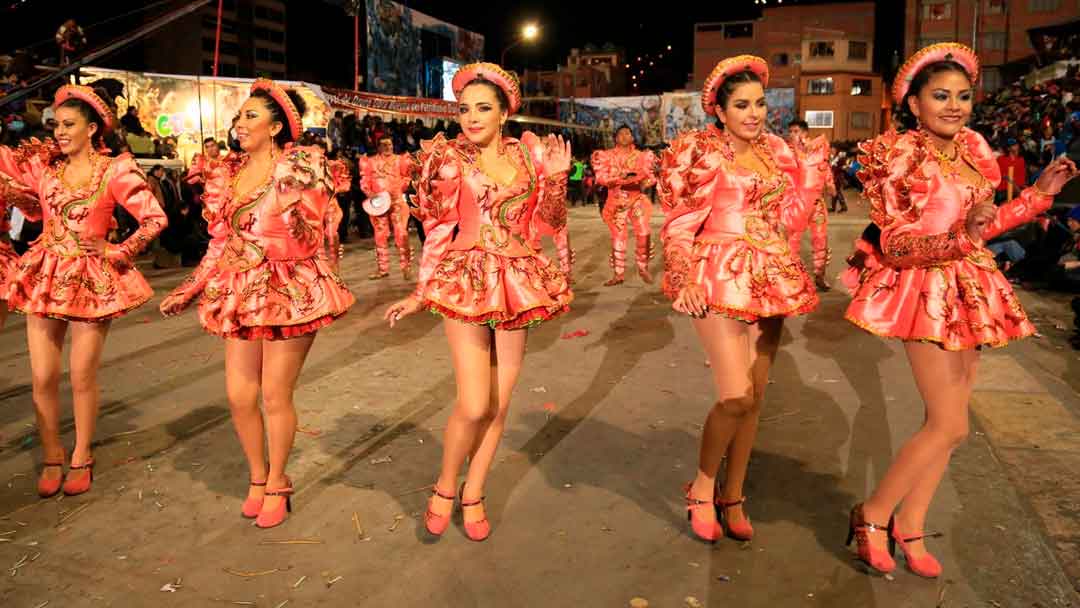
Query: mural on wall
395	56
191	108
641	114
781	104
682	112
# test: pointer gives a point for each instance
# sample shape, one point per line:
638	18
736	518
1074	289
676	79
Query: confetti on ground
581	333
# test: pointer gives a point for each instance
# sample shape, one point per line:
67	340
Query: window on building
936	10
228	69
857	51
995	7
822	49
227	47
781	59
994	41
228	26
269	14
925	42
861	120
820	86
739	30
277	75
1043	6
862	86
797	59
819	119
991	79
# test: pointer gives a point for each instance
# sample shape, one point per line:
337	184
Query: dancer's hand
557	155
691	301
402	308
174	303
1056	175
978	219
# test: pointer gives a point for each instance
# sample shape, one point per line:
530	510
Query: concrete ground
585	498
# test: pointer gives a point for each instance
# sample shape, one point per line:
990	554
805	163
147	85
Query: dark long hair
500	95
100	140
727	88
277	113
918	83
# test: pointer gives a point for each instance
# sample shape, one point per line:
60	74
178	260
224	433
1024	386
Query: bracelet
1040	192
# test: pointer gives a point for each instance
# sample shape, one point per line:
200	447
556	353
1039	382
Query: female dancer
626	172
486	200
390	173
730	192
931	283
267	283
71	277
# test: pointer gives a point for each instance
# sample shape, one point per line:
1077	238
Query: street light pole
502	58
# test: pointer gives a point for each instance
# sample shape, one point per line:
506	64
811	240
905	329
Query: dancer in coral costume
268	282
928	279
731	191
71	277
486	201
390	173
626	172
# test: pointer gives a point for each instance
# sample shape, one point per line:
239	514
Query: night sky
564	25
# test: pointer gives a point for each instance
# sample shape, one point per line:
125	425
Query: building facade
821	53
996	29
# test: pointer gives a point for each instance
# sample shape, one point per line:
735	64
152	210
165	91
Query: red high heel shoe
269	519
742	530
252	506
437	524
859	529
703	529
74	487
926	566
47	488
475	530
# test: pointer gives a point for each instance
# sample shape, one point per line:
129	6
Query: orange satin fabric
726	226
927	281
626	206
391	174
482	262
266	273
57	277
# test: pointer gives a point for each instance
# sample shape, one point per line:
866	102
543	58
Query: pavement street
585	497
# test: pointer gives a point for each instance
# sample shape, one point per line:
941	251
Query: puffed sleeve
647	169
686	205
21	170
1024	208
603	168
438	189
128	187
898	199
214	201
807	173
549	215
368	182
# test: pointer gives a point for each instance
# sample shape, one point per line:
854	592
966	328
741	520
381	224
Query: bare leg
945	380
763	340
470	349
727	344
87	343
508	354
243	376
911	516
45	339
282	362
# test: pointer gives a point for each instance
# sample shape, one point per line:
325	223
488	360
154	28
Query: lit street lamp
528	33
